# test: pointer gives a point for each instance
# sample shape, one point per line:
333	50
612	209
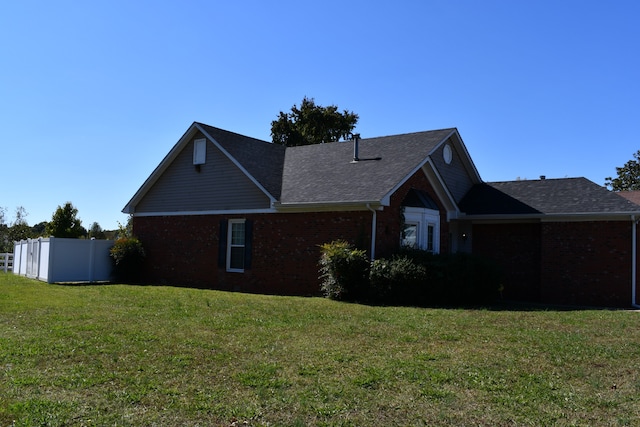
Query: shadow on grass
505	305
499	305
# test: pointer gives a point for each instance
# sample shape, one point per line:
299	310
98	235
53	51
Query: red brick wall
575	263
183	250
516	247
587	263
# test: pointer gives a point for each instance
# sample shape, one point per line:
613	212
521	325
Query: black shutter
222	244
248	239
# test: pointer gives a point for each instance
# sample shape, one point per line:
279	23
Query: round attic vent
447	154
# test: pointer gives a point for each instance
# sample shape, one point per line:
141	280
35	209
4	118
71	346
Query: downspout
373	232
634	267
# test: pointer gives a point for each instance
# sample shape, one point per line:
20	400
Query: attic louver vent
199	151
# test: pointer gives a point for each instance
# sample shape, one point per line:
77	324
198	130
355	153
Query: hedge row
410	277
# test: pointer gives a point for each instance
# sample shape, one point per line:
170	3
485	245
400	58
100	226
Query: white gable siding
215	185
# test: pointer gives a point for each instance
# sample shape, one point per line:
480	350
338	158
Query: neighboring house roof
632	196
545	197
326	173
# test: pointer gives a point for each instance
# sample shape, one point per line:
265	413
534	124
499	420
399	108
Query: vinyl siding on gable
454	174
218	184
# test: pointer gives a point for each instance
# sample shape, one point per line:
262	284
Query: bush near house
396	280
410	277
127	254
344	271
459	278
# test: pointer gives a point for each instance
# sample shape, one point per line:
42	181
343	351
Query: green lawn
124	355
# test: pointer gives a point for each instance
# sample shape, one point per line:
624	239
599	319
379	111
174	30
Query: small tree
628	176
4	232
65	222
39	229
126	229
312	124
127	253
96	231
19	229
15	231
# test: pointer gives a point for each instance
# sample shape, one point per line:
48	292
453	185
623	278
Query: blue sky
94	94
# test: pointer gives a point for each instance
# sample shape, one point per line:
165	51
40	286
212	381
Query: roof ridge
411	133
232	133
538	180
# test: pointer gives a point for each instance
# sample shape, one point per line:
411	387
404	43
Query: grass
125	355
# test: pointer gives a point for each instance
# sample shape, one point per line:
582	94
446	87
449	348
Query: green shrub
397	280
420	278
128	255
344	271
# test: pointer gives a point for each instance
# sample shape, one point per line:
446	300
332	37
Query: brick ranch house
226	211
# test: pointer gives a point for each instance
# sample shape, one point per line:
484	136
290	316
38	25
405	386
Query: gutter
551	217
373	232
327	206
634	267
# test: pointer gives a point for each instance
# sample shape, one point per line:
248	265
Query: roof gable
236	148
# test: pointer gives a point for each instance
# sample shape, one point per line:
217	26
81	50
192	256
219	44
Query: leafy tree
628	176
15	231
20	229
39	229
4	232
126	229
65	222
96	231
312	124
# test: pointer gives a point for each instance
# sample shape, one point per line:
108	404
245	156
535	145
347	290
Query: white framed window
410	234
430	244
236	245
199	151
421	229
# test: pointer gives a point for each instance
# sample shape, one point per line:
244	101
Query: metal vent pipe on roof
356	138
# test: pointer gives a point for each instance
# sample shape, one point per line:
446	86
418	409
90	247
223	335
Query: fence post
92	256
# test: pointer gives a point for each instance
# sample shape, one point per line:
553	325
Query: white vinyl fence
6	262
58	260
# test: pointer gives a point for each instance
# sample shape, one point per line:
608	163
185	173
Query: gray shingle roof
546	196
325	173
